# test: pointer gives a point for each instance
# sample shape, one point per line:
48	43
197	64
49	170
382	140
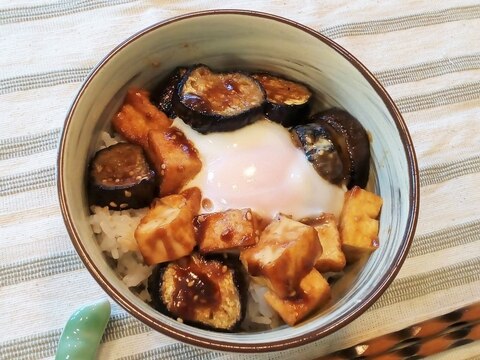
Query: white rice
114	231
259	314
107	140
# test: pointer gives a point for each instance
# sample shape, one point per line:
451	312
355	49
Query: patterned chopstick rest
447	331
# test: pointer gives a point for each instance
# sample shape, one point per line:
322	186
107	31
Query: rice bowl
298	54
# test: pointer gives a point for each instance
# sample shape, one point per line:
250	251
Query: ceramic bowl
247	40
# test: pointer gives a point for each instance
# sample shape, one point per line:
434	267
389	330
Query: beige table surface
426	53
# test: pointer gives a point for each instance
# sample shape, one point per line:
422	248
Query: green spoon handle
83	332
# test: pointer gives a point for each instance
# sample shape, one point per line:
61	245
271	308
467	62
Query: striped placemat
426	53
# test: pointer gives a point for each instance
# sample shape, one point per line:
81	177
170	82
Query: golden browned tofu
138	116
285	253
231	229
314	292
166	232
332	257
194	199
174	157
359	224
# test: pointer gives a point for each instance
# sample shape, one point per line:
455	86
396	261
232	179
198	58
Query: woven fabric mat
426	53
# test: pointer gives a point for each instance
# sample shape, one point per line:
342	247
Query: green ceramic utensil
83	332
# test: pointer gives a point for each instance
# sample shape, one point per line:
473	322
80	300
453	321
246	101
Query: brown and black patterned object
445	332
434	345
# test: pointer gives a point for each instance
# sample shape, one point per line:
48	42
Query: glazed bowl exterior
234	39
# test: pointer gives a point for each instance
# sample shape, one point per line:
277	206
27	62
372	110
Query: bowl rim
294	341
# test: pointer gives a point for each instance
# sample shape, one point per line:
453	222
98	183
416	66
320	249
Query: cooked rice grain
114	231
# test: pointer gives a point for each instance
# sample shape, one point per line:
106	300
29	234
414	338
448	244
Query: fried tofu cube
314	292
358	223
166	232
138	116
174	158
332	257
194	199
284	255
228	230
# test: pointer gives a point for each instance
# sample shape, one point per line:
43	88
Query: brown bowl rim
295	341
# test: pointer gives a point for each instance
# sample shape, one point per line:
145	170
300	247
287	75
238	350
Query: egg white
259	167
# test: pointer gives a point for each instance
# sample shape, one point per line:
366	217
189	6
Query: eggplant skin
214	308
352	140
223	104
288	102
131	191
317	143
162	95
287	115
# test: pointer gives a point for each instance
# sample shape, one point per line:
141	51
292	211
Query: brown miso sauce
221	91
195	286
281	90
197	103
227	235
220	94
200	224
207	204
178	138
123	165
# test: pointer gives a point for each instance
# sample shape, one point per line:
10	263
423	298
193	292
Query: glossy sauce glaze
196	285
119	165
178	139
224	94
282	91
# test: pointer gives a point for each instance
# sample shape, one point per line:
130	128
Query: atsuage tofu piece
138	116
166	232
332	258
228	230
359	224
314	292
284	255
174	157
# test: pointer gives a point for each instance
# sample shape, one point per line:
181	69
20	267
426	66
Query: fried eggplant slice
162	95
316	142
166	232
288	102
285	253
214	102
358	223
174	158
229	230
332	258
352	142
207	292
121	178
314	292
138	116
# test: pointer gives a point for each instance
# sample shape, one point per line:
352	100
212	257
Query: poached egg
259	167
